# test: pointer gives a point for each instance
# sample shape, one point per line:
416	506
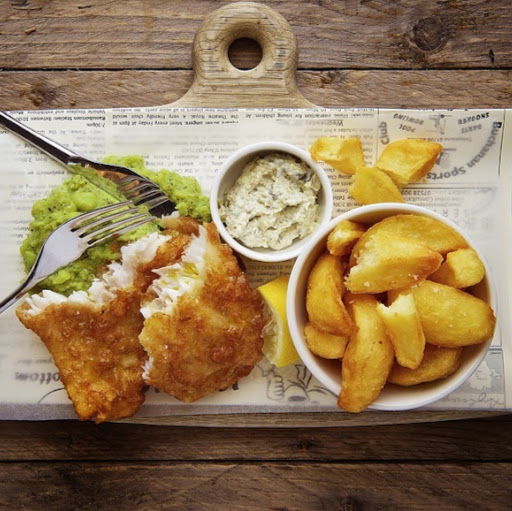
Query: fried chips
372	302
402	162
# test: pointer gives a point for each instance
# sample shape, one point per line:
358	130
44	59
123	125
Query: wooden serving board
271	84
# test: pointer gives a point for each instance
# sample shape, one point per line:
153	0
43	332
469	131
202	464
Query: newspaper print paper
471	184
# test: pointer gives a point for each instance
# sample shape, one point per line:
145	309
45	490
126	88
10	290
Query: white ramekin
232	169
328	372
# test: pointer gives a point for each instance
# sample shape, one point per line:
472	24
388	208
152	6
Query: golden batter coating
210	339
213	334
97	352
97	349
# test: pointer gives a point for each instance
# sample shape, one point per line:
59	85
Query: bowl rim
448	385
291	252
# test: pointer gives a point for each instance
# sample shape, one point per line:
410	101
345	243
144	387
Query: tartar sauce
272	203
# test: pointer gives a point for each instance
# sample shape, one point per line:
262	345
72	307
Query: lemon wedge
278	345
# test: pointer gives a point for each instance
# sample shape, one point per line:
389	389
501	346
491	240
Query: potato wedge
422	229
368	358
437	363
386	261
371	186
450	317
403	325
344	236
325	345
408	160
462	268
343	154
325	288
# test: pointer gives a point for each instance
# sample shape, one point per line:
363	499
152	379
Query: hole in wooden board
245	53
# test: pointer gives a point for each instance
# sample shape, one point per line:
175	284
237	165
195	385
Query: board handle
217	83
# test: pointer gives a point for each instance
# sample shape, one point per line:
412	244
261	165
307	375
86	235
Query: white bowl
229	173
328	372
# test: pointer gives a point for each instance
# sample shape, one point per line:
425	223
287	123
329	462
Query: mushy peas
272	203
78	195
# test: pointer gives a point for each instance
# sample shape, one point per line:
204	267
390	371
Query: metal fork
72	238
133	186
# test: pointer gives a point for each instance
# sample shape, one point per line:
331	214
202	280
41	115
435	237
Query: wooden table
408	54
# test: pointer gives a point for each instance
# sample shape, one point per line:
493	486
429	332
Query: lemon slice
278	345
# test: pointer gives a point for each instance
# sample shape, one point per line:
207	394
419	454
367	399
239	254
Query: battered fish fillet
97	352
203	327
94	337
180	296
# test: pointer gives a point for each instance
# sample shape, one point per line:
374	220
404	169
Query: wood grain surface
446	54
262	485
482	440
332	34
450	465
33	90
354	53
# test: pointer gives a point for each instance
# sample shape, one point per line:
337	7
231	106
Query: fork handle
62	154
26	286
46	145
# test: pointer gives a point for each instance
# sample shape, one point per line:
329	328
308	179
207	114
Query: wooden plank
305	419
477	440
152	34
254	486
90	89
32	90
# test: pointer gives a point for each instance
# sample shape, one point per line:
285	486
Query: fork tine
137	187
82	230
121	231
113	226
127	180
141	197
153	203
79	221
138	194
